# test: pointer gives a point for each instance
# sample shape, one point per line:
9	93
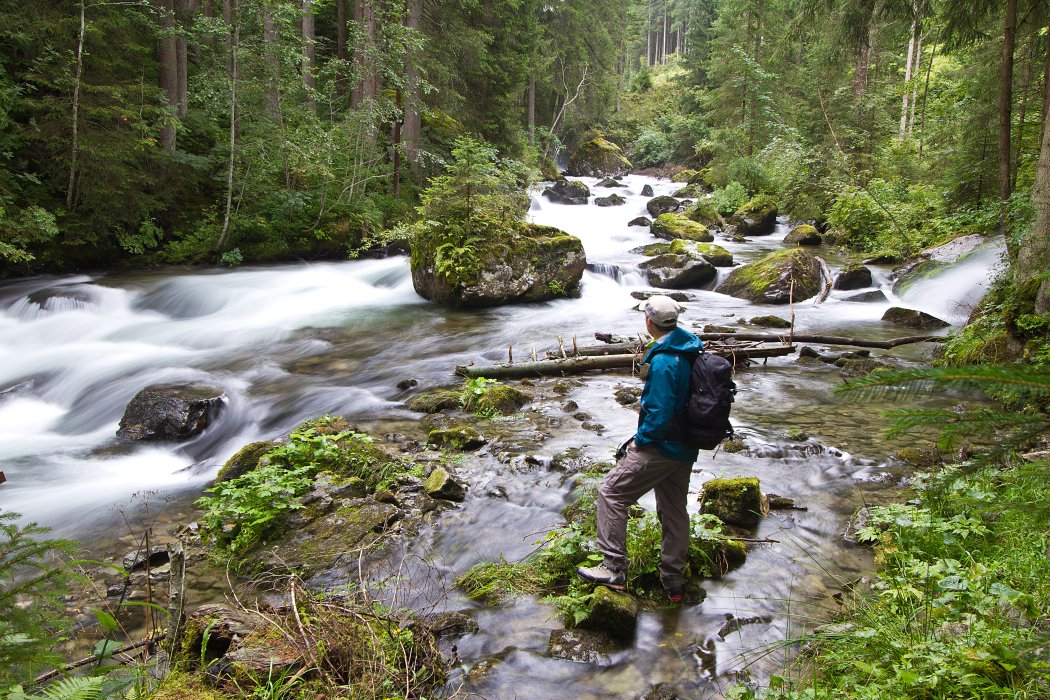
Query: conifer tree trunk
169	71
1023	109
649	34
1006	79
367	85
340	44
184	10
74	150
915	88
412	128
229	15
860	73
1033	255
907	76
309	53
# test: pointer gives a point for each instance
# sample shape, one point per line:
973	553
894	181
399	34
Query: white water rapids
292	342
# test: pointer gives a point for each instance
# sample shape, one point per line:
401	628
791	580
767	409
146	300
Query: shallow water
291	342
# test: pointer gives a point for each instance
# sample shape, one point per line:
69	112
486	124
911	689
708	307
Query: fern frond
918	380
75	688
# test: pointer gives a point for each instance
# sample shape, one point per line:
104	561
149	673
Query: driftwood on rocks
823	339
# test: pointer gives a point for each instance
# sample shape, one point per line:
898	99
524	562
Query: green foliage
499	581
888	217
76	688
474	390
33	579
730	198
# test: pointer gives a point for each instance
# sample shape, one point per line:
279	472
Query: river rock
684	175
245	460
858	366
135	560
164	412
613	613
688	192
661	205
437	400
596	156
647	190
639	221
609	182
568	192
703	212
756	218
643	294
770	322
873	297
672	226
806	234
527	263
450	624
853	277
613	200
627	395
913	318
768	280
582	646
318	537
441	484
678	271
734	501
212	630
456	437
715	254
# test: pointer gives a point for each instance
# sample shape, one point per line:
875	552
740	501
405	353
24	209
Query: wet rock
806	234
441	484
570	461
688	192
661	205
166	412
519	263
675	226
613	613
661	691
582	646
245	460
733	445
677	296
610	182
734	501
769	280
406	384
135	560
437	400
213	630
570	407
715	254
568	192
639	221
564	386
859	367
875	296
770	322
809	352
627	395
776	502
756	218
386	496
678	271
450	624
461	437
710	328
501	399
797	434
582	416
853	277
913	318
734	624
592	426
859	521
613	200
596	156
647	190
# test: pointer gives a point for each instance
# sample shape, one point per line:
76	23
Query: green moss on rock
684	176
703	211
919	457
596	156
672	226
770	322
436	400
611	612
461	437
769	280
806	234
756	218
246	459
715	254
734	501
503	399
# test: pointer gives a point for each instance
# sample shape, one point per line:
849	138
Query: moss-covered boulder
769	280
527	263
853	277
317	544
609	182
688	192
598	157
756	218
640	221
613	200
568	192
715	254
806	234
501	399
170	412
647	190
437	400
913	318
612	612
246	459
662	205
685	271
919	457
770	321
875	296
684	176
549	170
734	501
703	212
672	226
461	437
441	484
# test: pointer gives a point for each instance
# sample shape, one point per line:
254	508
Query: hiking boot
675	595
682	595
604	576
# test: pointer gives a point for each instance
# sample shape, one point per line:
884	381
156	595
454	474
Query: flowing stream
293	342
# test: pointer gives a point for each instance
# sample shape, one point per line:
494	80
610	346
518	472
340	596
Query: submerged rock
582	646
769	280
568	192
165	412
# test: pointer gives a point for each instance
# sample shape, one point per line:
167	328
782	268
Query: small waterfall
625	275
951	291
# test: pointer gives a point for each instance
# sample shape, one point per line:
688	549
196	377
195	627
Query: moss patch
461	437
715	254
246	459
769	280
733	501
672	226
436	400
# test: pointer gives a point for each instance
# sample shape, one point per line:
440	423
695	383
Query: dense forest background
181	131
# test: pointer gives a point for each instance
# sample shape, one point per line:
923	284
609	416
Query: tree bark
860	73
272	80
1046	74
1023	109
620	345
413	126
367	85
184	10
340	45
74	150
530	107
1033	256
908	73
309	54
169	71
1006	79
229	15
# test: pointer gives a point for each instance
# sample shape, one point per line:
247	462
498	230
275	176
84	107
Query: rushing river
293	342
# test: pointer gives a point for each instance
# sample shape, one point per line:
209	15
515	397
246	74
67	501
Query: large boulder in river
756	218
703	211
805	234
567	192
524	263
714	254
598	157
613	200
853	277
734	501
913	318
675	226
176	413
681	271
661	205
769	280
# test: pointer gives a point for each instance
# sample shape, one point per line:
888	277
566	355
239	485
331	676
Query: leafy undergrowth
960	605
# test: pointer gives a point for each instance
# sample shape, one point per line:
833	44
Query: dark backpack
705	422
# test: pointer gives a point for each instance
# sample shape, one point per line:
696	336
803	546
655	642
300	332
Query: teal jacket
665	392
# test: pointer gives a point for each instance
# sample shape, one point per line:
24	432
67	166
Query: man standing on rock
653	461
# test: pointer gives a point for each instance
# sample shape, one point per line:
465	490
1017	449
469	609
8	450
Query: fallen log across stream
581	364
616	340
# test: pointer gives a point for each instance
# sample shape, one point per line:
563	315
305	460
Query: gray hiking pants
640	471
